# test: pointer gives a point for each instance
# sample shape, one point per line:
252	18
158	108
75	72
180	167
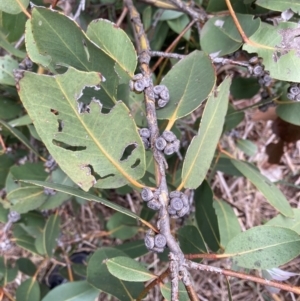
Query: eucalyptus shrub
83	111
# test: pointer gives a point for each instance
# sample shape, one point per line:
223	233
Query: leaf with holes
264	247
201	150
128	269
72	47
229	225
13	6
189	82
279	48
92	148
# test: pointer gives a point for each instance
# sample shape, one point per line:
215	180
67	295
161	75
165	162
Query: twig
163	223
122	16
225	272
2	144
152	284
167	55
173	44
24	10
197	16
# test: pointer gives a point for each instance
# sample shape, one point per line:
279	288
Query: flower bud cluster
293	92
151	199
258	70
168	143
155	242
145	135
138	83
161	95
179	204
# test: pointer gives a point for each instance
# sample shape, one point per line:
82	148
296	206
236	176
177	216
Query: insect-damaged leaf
91	147
201	150
280	49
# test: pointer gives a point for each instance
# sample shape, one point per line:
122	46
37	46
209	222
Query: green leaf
122	226
280	5
25	199
9	48
289	112
147	17
3	214
8	273
165	289
189	82
29	290
13	6
264	247
26	266
226	36
286	222
99	276
112	40
20	121
168	14
89	146
23	240
71	47
33	52
247	146
133	249
233	118
179	24
191	240
75	291
5	163
201	150
7	65
206	216
46	242
9	108
242	88
19	136
273	195
12	25
128	269
87	196
229	226
274	44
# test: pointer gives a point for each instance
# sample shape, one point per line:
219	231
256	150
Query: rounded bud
176	204
139	85
258	70
158	89
171	211
147	194
13	216
183	211
175	194
169	149
160	143
162	103
176	145
294	90
253	60
154	204
138	76
5	245
291	96
297	98
149	240
169	136
144	132
160	241
267	78
165	95
146	142
28	63
185	200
